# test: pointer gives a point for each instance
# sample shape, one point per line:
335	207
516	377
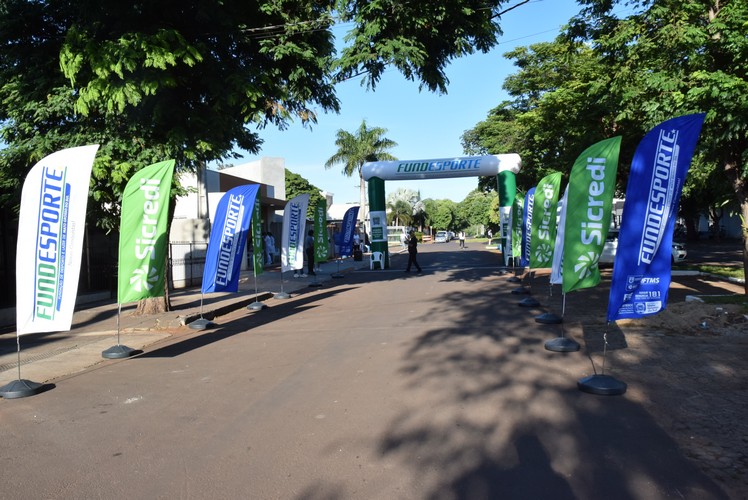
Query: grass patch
741	300
725	271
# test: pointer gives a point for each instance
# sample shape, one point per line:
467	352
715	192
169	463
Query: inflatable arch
504	166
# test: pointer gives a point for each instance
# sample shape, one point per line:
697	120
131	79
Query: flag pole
561	343
20	388
549	318
118	351
256	305
527	290
281	294
337	274
514	278
202	323
602	384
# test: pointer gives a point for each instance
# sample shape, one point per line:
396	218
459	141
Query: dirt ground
688	366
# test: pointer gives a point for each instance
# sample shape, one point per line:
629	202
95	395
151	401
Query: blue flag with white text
641	270
228	237
527	227
347	230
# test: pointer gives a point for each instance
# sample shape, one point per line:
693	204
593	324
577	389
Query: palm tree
367	144
400	212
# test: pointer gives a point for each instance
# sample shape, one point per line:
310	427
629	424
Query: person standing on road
462	239
412	251
309	251
269	248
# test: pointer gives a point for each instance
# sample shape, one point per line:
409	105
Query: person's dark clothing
412	253
309	249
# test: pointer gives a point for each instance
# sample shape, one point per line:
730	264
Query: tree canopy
296	185
197	80
609	75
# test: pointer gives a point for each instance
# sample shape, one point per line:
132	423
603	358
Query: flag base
549	319
337	275
20	388
118	352
603	385
528	302
201	324
315	284
281	295
514	279
523	290
256	306
503	272
562	344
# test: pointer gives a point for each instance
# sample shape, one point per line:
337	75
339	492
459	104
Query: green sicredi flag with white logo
516	236
143	238
320	231
258	255
591	189
544	221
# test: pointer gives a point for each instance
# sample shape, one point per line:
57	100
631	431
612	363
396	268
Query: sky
425	125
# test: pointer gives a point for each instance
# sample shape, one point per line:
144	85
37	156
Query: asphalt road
383	385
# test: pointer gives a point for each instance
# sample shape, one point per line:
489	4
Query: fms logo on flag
52	232
145	277
661	193
229	239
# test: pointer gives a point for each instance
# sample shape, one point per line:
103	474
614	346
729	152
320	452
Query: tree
560	105
429	211
475	209
197	80
418	38
355	149
443	217
674	58
406	207
296	185
399	213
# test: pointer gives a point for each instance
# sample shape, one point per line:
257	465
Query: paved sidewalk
45	357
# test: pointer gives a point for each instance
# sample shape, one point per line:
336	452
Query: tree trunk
153	305
362	193
156	305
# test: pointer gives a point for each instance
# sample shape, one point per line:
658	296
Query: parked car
441	237
608	255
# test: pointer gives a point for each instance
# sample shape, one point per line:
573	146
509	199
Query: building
194	213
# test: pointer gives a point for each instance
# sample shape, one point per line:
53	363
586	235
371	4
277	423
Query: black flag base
20	388
562	344
118	352
528	302
603	385
514	279
256	306
201	324
503	272
315	284
523	290
281	295
549	319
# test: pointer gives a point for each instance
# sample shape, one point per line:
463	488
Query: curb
687	272
225	309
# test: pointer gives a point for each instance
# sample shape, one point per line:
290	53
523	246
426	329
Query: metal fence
187	262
